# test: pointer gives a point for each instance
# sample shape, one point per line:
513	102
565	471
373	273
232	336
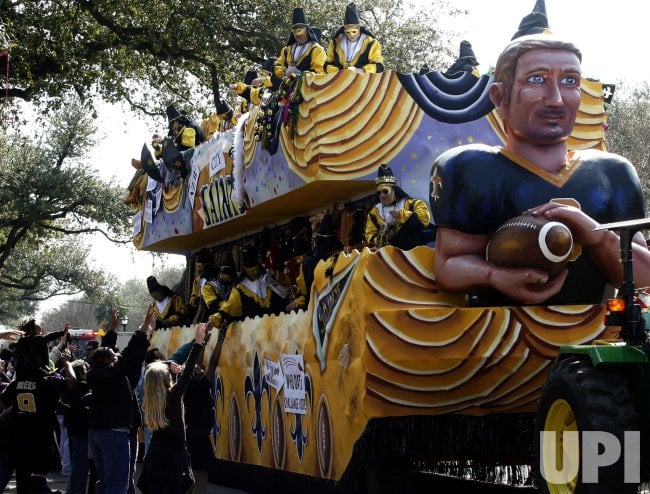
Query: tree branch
68	231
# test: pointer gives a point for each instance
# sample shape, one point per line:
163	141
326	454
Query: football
531	241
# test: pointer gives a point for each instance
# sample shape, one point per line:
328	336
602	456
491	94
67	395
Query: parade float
383	371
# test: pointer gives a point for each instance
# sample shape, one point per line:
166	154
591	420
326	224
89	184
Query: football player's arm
461	267
603	245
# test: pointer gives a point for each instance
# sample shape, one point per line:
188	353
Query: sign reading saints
218	204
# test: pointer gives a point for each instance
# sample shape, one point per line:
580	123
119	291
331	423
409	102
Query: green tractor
592	419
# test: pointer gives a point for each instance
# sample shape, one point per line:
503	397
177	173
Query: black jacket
112	401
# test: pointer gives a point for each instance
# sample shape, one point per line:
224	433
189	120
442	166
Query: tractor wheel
578	398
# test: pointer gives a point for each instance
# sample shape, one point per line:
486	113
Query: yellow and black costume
249	297
183	131
254	94
308	56
408	229
171	309
217	289
219	121
466	62
363	53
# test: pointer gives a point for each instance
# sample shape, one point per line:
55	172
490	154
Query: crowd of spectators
81	417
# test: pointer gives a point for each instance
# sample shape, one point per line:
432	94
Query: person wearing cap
177	149
33	398
220	120
353	47
169	305
397	219
257	85
167	160
476	188
250	296
248	90
248	94
302	51
182	131
217	288
149	165
267	77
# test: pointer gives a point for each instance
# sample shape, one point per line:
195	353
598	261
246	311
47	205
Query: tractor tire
577	397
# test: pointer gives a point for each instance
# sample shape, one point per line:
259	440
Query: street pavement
57	481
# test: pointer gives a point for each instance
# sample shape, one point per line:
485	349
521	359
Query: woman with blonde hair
166	468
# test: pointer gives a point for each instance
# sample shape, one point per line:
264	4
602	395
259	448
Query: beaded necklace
350	48
297	51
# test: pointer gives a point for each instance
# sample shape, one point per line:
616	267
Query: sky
608	33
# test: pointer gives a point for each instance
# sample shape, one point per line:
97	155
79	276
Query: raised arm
11	334
603	245
134	353
216	354
68	371
57	334
197	349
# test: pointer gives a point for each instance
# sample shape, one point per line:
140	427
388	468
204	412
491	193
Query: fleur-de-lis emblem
436	184
298	435
257	386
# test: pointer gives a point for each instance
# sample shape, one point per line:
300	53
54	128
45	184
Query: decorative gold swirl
430	358
402	357
171	198
336	140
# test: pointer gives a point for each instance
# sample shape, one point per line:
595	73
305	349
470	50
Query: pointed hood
268	64
385	176
466	61
250	258
223	108
204	256
250	76
351	14
173	115
227	265
153	285
534	23
298	17
327	240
